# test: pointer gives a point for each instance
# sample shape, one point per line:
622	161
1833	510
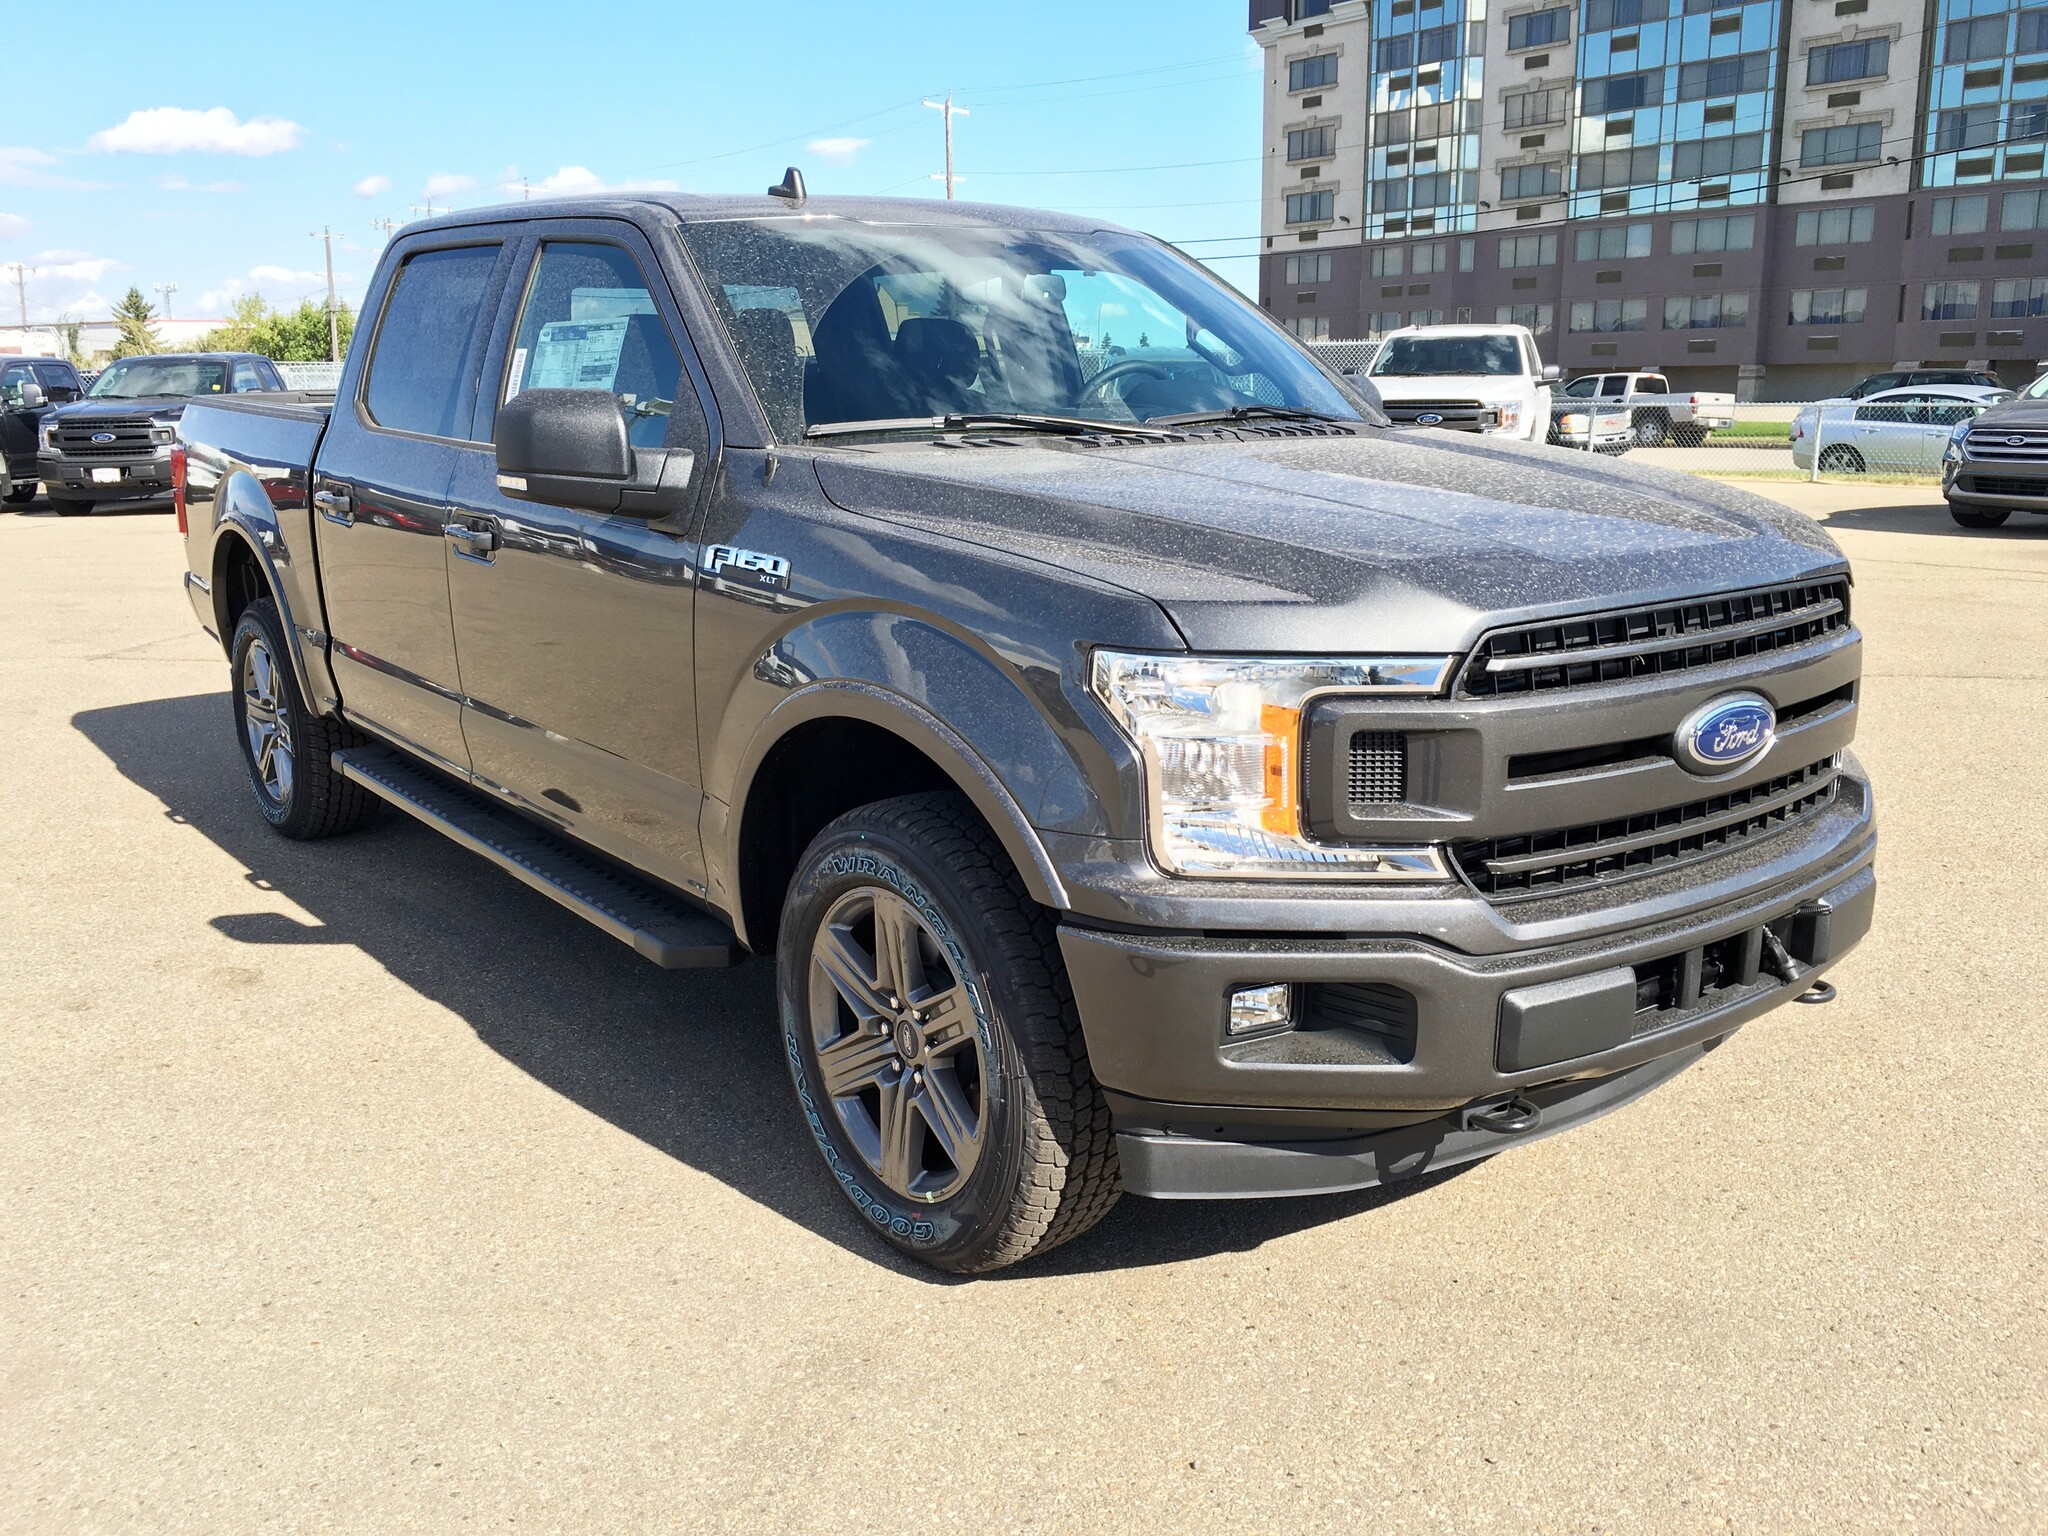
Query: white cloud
12	225
281	287
80	268
840	151
181	130
64	282
180	184
370	186
446	184
580	181
20	167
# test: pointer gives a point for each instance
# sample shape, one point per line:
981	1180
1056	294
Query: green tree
300	335
135	321
247	315
74	354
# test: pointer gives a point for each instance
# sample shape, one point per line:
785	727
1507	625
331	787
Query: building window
1622	93
1846	226
1835	62
1303	9
1606	15
1430	258
1702	7
1706	158
1965	42
2019	298
1609	314
1390	261
1707	312
1432	191
1312	74
1433	45
2029	119
1311	207
1425	317
1705	237
1532	181
1949	301
1540	319
1618	168
1724	77
1310	269
1386	320
1617	242
1962	215
1420	126
1317	143
1840	146
2033	36
1828	306
1964	128
2024	210
1528	251
1533	109
1310	327
1539	29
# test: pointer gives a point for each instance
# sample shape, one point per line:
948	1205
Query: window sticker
578	354
515	377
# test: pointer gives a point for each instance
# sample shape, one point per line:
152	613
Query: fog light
1255	1008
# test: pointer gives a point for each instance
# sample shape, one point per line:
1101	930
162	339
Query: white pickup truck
1659	416
1465	378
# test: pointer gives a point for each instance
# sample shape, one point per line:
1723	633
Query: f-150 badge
746	567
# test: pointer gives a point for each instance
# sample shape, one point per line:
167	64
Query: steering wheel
1098	387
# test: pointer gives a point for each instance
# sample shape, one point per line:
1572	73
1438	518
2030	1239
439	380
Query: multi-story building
1768	196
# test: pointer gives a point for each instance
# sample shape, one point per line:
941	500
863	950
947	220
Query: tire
71	508
1840	459
984	1037
1979	517
287	749
1653	430
1689	437
18	495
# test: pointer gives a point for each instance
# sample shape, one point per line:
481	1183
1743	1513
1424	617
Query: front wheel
1979	517
70	508
933	1041
17	494
288	749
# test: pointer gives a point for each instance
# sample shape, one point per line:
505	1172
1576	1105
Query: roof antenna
792	187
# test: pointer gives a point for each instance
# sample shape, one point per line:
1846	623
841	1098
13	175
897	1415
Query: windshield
2038	390
837	322
138	378
1411	357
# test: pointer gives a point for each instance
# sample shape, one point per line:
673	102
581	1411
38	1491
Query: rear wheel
1840	459
288	749
933	1042
1653	429
1689	437
1979	517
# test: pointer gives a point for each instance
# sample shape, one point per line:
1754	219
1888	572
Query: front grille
131	434
1652	642
1535	864
2005	485
1455	415
1379	768
2017	445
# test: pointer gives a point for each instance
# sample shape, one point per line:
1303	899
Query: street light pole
326	236
950	112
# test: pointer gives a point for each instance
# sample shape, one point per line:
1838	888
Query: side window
247	379
1942	412
11	381
589	322
1614	386
58	381
420	379
272	379
1582	389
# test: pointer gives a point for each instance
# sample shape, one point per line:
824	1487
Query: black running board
659	925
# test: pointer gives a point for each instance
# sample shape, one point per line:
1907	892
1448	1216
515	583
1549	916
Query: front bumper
73	479
2021	487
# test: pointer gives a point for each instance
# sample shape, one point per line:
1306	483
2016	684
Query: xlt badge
747	567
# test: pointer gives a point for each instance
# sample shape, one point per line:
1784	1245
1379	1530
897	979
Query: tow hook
1779	962
1504	1117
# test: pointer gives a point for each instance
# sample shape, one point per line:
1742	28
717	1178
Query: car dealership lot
357	1186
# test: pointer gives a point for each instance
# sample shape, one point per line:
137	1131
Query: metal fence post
1820	420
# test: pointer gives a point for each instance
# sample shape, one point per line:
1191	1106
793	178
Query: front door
381	491
574	628
17	423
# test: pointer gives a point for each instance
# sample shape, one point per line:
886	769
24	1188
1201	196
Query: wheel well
237	582
814	775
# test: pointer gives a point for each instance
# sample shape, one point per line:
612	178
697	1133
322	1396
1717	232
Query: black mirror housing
569	448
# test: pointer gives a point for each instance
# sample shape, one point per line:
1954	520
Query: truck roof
691	208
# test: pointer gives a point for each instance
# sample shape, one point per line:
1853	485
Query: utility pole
21	293
164	291
326	236
949	111
384	226
525	190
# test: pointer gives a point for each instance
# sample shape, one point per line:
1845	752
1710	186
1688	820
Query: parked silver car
1895	431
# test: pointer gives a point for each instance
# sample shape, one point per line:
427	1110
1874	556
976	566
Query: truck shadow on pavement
1932	519
686	1061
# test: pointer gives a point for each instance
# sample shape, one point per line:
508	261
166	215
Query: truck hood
1452	386
1386	542
155	407
2020	415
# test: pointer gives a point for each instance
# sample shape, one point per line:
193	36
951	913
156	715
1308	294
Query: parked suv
30	388
115	444
1160	778
1997	463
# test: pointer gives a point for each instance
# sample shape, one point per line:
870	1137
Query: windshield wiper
1252	412
1027	420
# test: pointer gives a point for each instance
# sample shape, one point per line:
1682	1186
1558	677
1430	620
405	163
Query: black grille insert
1533	864
1653	642
127	437
1379	768
2006	485
1451	415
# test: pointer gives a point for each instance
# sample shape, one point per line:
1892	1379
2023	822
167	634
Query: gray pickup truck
1149	770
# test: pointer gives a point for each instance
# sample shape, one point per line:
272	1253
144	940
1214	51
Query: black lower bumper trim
1166	1167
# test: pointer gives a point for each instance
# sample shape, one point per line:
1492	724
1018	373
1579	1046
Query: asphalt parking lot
355	1186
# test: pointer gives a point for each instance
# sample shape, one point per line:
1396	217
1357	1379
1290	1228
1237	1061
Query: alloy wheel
266	724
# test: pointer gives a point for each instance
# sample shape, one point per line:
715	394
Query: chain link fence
317	378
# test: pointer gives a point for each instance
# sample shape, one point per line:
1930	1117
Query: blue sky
241	127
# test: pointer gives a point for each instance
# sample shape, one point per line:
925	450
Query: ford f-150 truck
1165	779
1658	415
115	444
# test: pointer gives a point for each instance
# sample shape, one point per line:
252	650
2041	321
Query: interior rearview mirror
569	448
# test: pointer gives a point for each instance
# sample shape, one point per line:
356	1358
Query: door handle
473	543
334	506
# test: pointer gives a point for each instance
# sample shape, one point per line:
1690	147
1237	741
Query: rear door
381	489
575	628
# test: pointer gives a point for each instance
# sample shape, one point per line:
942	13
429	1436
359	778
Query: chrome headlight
46	435
1953	453
1510	413
1221	742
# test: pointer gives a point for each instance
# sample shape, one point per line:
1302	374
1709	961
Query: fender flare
243	515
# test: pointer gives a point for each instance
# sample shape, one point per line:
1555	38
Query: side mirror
1552	373
33	398
569	448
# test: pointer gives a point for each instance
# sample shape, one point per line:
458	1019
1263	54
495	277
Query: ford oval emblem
103	437
1725	733
2015	442
1428	419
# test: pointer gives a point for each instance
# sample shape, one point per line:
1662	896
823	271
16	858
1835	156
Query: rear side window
420	379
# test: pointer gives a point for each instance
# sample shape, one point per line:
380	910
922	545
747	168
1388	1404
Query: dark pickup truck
1149	775
115	444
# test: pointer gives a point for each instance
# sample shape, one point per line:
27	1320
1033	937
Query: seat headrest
938	350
